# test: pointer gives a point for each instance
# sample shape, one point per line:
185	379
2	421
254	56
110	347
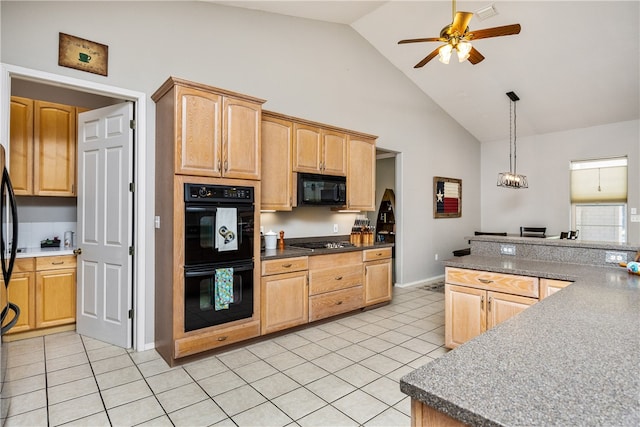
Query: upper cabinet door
361	177
241	139
334	146
21	145
307	148
198	139
277	176
54	149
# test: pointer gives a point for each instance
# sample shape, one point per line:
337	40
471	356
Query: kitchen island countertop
571	359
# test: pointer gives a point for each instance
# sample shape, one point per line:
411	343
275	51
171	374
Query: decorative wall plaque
447	197
84	55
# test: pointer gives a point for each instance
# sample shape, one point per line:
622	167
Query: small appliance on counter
50	243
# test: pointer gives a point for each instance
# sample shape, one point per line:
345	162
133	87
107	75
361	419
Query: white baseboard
428	281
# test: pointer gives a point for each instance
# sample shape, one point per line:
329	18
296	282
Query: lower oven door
217	294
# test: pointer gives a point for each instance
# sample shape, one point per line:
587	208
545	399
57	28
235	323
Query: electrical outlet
508	250
335	228
615	257
157	221
436	257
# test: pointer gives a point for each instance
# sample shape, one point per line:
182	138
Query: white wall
545	159
319	71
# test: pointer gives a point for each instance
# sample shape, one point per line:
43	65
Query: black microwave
321	190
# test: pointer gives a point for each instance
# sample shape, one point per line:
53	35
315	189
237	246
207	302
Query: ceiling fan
458	36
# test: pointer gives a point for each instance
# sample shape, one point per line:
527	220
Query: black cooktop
325	244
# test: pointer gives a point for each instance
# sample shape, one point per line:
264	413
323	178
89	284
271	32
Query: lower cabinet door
55	297
21	293
377	281
285	301
465	315
501	307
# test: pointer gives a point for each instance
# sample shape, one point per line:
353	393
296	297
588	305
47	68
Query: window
599	199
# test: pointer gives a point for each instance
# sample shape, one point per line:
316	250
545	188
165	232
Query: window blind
599	181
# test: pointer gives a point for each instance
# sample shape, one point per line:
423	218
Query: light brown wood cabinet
215	133
318	150
42	148
377	275
476	301
361	175
22	293
55	291
45	290
335	284
551	286
285	294
277	177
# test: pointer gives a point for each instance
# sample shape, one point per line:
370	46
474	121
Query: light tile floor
343	372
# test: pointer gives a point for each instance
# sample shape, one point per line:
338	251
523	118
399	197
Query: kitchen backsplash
30	234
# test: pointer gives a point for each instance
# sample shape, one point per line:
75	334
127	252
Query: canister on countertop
68	239
270	240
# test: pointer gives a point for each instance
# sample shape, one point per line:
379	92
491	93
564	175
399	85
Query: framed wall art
447	197
81	54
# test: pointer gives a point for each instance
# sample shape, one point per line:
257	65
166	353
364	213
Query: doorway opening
36	84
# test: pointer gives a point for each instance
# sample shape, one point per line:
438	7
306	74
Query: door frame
140	155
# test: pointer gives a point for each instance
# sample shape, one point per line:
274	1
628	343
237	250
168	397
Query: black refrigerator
8	247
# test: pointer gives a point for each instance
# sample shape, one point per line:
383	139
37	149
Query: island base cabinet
469	311
465	315
285	301
425	416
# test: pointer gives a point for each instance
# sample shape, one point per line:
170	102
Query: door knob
77	251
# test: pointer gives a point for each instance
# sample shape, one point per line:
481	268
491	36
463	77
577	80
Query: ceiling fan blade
506	30
427	58
428	39
460	22
475	56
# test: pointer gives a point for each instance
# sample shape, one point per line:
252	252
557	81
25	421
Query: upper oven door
201	228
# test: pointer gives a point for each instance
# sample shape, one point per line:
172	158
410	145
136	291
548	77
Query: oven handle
209	271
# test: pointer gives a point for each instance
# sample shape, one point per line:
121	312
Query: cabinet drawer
285	265
374	254
335	260
332	303
24	265
508	283
333	279
214	339
54	262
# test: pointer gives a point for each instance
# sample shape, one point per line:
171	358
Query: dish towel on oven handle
223	288
226	229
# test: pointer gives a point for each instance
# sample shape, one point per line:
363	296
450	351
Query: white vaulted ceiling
575	64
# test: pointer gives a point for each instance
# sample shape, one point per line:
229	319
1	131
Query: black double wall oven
218	253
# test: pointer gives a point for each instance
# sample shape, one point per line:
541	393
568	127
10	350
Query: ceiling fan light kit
458	36
512	179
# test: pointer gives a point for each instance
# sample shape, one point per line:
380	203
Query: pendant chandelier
512	179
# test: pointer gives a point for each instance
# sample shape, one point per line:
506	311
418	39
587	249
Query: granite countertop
39	252
571	359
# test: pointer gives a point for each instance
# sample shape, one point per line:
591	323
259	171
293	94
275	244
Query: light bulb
445	53
463	48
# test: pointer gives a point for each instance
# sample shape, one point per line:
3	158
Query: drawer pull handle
482	302
485	281
339	303
222	338
286	265
339	278
58	263
379	254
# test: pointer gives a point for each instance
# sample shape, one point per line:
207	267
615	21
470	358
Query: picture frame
82	54
447	197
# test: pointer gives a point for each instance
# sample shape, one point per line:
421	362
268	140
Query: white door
104	296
